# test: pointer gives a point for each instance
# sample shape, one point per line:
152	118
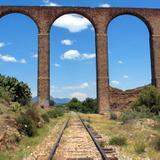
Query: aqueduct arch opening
20	42
100	17
68	82
130	54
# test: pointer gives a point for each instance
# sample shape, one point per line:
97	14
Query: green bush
118	141
15	107
139	147
128	115
26	125
5	94
113	116
34	115
15	91
45	117
52	114
56	112
148	101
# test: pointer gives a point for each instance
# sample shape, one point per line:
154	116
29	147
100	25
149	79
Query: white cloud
120	61
72	22
56	65
23	61
115	82
8	58
35	56
84	85
49	3
74	55
88	56
105	5
125	76
81	86
71	54
79	95
67	42
2	44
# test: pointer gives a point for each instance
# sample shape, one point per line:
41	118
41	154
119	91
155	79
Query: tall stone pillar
43	69
102	72
155	60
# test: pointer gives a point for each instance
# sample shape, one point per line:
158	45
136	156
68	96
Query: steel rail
103	154
53	150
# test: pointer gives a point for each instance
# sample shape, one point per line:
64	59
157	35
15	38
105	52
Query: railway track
78	141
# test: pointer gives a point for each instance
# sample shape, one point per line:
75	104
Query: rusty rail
103	154
57	141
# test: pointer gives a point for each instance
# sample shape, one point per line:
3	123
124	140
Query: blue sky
73	68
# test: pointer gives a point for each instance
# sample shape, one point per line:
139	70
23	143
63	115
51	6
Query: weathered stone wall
100	18
120	100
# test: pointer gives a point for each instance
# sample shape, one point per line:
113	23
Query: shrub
15	107
56	112
5	94
45	117
139	147
119	141
13	90
34	115
113	116
128	115
26	125
148	101
52	114
156	143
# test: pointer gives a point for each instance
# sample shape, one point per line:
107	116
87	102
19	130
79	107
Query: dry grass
134	131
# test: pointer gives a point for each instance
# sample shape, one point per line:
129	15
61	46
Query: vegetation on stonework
15	91
148	101
87	106
147	105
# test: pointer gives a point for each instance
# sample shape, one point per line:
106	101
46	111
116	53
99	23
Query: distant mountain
61	100
56	100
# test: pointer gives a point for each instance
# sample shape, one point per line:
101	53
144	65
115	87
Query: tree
90	105
16	91
75	105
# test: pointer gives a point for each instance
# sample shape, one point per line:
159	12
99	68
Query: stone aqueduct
100	18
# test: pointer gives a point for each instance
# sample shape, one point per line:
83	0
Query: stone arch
140	17
6	13
148	32
90	19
